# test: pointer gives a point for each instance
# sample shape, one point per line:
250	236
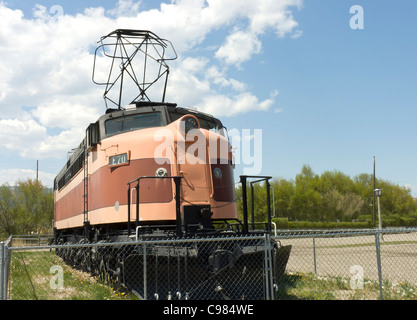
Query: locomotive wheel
60	252
84	256
102	271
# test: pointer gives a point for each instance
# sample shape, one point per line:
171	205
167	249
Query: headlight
161	172
188	124
217	172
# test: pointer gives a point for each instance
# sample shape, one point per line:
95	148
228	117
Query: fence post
378	258
4	266
314	255
145	282
268	265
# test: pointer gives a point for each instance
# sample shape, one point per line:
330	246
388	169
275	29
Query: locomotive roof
147	106
74	155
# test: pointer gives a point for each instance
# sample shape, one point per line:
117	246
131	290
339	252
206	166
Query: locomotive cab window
133	122
205	123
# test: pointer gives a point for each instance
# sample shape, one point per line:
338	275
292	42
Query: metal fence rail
323	264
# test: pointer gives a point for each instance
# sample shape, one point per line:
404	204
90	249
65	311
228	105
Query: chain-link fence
351	264
175	269
335	265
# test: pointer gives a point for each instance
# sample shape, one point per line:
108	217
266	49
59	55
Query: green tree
307	200
333	196
9	213
342	206
395	199
284	192
26	207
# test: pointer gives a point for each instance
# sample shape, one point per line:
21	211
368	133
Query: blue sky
323	94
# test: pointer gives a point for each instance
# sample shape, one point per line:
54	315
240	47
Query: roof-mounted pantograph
129	75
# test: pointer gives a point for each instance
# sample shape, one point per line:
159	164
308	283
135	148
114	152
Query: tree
284	191
332	196
8	211
25	208
307	200
342	207
396	199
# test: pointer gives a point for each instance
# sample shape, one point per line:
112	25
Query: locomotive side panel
69	200
109	184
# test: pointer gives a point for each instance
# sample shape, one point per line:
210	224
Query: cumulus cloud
127	8
46	65
223	105
64	114
11	176
239	47
20	135
31	140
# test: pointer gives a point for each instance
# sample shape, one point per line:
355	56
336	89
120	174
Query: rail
243	180
177	181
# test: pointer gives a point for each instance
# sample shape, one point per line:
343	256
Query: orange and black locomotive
154	171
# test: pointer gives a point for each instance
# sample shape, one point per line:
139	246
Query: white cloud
20	135
239	47
222	105
30	139
297	34
220	78
65	114
11	176
46	65
273	14
58	145
127	8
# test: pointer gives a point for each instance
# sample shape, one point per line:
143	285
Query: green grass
31	278
308	286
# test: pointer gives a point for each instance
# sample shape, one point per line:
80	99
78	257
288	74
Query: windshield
204	123
133	122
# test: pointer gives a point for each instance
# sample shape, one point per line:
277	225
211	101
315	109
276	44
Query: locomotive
151	171
121	147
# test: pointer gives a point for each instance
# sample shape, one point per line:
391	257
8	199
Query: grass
35	275
308	286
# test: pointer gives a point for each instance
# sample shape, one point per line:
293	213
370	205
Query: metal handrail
177	181
243	180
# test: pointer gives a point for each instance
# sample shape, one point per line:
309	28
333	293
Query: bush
328	225
282	223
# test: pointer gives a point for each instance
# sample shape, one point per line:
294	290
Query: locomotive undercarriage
224	266
196	258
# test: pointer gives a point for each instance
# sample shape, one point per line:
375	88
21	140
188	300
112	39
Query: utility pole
378	194
37	170
373	204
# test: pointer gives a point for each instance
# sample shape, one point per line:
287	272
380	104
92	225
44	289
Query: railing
243	180
177	181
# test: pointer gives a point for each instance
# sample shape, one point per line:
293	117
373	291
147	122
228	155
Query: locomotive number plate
118	159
